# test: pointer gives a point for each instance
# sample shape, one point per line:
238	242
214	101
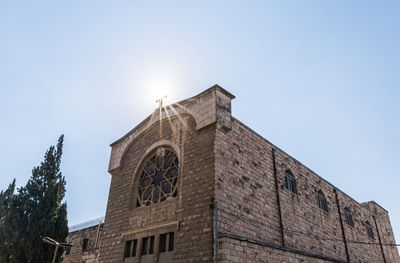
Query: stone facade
85	244
260	220
232	202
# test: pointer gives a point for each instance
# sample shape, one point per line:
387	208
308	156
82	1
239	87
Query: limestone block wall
77	254
233	250
91	256
384	230
189	214
244	185
253	207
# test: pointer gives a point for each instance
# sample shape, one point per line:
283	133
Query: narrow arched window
290	182
322	204
370	231
348	217
159	178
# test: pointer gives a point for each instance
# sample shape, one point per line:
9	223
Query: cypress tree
36	211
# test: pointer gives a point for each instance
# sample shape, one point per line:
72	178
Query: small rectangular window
294	186
151	245
163	243
134	248
348	217
171	242
85	244
322	204
370	232
290	182
287	182
128	247
143	251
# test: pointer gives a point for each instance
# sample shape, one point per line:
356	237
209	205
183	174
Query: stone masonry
85	245
232	202
250	214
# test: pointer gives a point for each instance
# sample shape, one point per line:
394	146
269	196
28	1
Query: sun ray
160	120
178	115
170	122
182	107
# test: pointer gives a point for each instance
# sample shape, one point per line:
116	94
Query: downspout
216	232
341	225
277	198
379	237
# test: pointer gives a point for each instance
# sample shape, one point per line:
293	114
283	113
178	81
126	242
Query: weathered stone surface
246	194
89	255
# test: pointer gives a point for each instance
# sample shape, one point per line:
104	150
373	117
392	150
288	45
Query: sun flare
153	85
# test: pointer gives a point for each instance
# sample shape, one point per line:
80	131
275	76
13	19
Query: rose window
158	178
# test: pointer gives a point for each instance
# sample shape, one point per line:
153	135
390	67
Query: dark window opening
128	247
348	217
166	242
370	231
144	246
85	244
322	204
134	248
163	243
151	246
68	251
290	182
171	242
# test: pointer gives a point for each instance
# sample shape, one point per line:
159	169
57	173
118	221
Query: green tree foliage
6	202
37	210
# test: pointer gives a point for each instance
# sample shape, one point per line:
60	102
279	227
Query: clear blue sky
320	79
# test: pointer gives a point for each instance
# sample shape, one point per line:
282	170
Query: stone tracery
158	178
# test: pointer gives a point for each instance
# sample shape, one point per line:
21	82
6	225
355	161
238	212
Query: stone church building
191	183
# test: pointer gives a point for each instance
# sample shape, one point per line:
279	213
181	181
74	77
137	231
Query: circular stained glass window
158	178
